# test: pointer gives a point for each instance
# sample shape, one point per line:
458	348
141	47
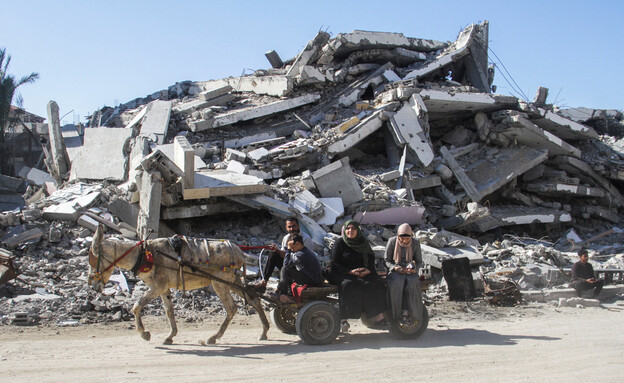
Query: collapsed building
374	126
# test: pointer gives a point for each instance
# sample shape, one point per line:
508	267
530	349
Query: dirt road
527	344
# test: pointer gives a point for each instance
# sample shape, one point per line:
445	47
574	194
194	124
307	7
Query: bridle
98	274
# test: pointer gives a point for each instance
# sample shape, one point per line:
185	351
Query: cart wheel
318	323
411	330
284	319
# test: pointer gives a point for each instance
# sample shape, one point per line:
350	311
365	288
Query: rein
115	262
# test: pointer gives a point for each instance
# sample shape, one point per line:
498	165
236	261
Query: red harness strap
120	258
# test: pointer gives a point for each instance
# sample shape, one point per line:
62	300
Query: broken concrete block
445	105
72	140
88	222
278	86
308	204
332	210
155	124
524	132
237	167
554	188
169	150
102	143
184	157
258	154
36	176
274	59
263	110
310	75
70	210
392	216
235	155
309	54
126	212
409	127
389	176
214	93
27	236
424	182
347	124
362	130
337	180
435	257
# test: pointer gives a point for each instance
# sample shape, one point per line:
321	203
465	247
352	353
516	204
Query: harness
98	274
144	262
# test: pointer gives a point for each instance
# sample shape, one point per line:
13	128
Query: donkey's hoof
146	335
168	341
263	337
212	340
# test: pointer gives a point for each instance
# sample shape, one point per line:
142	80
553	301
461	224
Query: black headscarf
359	243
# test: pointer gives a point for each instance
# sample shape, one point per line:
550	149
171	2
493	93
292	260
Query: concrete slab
278	86
392	216
563	127
155	124
337	180
214	93
73	141
524	132
509	163
58	151
356	134
308	54
409	128
452	53
70	210
151	189
307	203
102	156
444	105
218	183
124	210
36	176
500	216
581	169
345	43
555	188
263	110
424	182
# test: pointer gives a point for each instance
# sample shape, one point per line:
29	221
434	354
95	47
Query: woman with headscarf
353	270
403	261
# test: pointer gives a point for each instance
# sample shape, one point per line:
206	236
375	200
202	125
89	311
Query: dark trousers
361	295
288	275
273	261
581	286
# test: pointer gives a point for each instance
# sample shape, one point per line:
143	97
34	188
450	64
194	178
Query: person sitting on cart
403	260
301	266
276	258
352	268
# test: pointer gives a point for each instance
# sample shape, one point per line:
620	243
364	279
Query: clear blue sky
95	53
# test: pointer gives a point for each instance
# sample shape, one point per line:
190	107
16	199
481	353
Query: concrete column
184	157
57	145
149	204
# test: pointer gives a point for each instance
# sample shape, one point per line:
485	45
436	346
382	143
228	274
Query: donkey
225	260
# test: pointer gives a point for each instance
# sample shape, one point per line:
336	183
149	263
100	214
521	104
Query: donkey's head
99	262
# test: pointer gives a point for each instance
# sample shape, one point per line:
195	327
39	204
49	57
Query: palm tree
8	86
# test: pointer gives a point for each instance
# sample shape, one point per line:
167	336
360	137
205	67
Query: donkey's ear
99	235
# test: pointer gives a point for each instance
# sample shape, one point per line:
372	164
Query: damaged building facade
374	126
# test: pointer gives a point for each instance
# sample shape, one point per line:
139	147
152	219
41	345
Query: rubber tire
400	332
318	322
284	320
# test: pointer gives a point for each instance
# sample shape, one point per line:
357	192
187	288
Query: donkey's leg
257	305
223	292
166	298
136	310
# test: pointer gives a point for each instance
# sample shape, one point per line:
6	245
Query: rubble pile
374	126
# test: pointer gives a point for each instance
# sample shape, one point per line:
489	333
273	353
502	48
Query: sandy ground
462	344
